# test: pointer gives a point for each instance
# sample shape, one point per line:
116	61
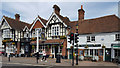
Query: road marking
27	64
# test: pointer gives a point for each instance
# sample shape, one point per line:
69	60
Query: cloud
30	10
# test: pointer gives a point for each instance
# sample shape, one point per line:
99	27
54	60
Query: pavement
31	61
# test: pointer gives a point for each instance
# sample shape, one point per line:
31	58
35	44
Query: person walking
44	56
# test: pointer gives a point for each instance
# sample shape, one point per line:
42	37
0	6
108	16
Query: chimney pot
81	14
17	17
56	9
81	6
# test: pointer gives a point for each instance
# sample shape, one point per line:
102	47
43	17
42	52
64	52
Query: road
51	63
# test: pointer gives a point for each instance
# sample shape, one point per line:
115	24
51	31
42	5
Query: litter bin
58	59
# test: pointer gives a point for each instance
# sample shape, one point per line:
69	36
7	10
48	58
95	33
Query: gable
4	24
26	28
37	25
54	18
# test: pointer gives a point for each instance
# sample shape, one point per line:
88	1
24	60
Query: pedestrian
44	56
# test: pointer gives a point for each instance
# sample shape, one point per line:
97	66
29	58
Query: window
117	37
93	38
7	33
96	52
91	51
86	52
60	49
52	30
55	30
88	38
117	52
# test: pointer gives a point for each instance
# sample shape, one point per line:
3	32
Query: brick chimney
81	14
56	9
17	17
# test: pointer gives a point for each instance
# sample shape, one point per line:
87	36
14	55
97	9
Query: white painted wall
109	38
0	41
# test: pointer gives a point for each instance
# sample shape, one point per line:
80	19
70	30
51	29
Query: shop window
117	52
101	52
91	51
86	52
96	52
117	37
81	52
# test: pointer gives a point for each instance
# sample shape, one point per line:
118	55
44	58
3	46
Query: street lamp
77	45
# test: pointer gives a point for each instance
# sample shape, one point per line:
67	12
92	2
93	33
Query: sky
30	10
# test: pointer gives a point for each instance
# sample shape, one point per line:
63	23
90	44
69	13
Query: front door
56	51
100	54
108	55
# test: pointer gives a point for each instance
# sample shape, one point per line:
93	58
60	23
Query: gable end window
117	37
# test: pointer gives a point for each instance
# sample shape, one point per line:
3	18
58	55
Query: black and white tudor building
99	38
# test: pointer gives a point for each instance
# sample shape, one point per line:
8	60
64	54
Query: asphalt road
30	62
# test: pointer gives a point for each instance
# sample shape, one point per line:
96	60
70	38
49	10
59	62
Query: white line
27	64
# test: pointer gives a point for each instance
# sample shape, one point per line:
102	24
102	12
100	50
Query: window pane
88	38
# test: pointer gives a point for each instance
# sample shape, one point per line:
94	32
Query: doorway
56	51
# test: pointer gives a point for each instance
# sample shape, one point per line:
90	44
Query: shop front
52	47
9	47
25	48
115	51
89	52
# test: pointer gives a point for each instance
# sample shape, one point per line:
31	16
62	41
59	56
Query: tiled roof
110	23
43	20
64	19
15	24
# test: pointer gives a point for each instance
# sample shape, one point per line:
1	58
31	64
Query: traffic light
76	38
71	37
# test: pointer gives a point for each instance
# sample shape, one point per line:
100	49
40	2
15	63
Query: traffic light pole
73	51
77	55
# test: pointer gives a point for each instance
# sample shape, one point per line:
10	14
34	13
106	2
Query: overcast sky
30	10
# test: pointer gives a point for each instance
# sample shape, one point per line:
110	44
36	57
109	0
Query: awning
53	41
116	46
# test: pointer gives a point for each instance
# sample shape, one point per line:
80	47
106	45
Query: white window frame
55	30
117	37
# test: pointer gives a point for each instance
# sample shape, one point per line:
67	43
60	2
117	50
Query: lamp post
77	45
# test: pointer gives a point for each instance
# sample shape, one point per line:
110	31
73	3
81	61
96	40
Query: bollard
9	58
37	57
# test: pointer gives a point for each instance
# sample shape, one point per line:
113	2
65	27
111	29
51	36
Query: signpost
38	31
